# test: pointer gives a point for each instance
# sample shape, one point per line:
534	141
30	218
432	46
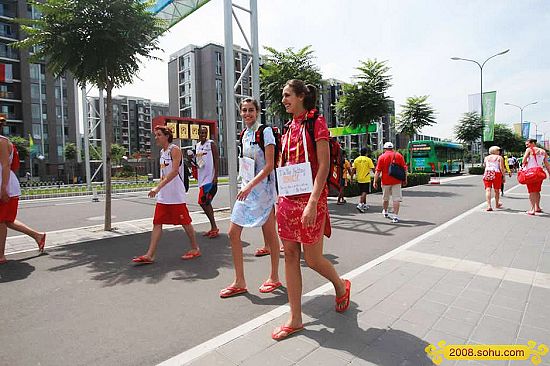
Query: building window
219	91
218	63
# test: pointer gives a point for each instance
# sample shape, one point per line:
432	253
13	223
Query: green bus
436	157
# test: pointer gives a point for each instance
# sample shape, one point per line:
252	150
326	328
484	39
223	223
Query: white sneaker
385	213
360	208
365	206
395	219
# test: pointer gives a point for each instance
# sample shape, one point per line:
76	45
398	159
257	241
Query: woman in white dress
256	199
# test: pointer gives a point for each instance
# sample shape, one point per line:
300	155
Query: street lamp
481	86
521	115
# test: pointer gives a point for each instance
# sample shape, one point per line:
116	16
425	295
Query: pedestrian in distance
171	207
9	197
493	176
208	160
535	157
391	186
506	169
255	205
346	177
303	218
362	169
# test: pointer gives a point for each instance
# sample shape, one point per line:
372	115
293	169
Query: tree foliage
416	114
469	128
118	151
70	151
280	66
22	146
366	99
100	42
506	139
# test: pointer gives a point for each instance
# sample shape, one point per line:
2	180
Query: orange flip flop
213	233
267	287
3	261
260	252
191	255
42	243
142	260
276	335
232	291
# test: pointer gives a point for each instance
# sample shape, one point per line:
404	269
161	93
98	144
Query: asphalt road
72	212
85	304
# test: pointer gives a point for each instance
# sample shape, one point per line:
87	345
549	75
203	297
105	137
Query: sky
417	38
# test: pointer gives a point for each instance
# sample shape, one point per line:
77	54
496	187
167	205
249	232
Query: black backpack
183	170
259	139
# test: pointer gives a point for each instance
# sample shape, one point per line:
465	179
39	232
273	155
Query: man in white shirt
207	157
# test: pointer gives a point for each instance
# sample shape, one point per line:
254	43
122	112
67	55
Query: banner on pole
525	129
539	138
489	105
517	129
547	144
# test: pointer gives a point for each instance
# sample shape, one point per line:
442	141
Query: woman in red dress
303	219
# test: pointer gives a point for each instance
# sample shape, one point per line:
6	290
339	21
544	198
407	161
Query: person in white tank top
207	157
533	157
493	178
170	193
9	199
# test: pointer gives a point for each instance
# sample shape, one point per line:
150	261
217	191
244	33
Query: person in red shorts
535	156
493	176
171	207
9	197
303	218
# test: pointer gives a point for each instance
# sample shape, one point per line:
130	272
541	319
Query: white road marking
224	338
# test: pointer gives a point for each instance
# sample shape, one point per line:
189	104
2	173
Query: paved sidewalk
482	278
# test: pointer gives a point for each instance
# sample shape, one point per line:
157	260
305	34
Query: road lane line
239	331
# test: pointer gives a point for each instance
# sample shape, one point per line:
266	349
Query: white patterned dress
255	209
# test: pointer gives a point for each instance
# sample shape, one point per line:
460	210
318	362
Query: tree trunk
108	140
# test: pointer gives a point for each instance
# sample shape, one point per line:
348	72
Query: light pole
521	114
481	87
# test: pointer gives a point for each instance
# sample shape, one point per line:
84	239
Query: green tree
22	146
506	139
366	100
469	128
416	113
100	42
70	158
279	67
117	151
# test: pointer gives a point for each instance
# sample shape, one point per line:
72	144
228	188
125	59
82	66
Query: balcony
7	52
6	13
9	95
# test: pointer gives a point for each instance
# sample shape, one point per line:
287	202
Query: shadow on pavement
428	194
456	185
384	347
16	270
109	260
384	228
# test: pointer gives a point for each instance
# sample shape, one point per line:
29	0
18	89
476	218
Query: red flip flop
42	243
214	233
207	233
232	291
344	299
260	252
142	260
267	287
3	261
191	255
276	335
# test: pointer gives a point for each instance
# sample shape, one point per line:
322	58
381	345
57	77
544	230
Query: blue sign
525	129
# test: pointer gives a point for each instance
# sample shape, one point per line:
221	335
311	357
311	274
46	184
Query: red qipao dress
290	208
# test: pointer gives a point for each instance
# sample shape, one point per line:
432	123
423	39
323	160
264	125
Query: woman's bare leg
155	238
22	228
272	241
234	234
3	236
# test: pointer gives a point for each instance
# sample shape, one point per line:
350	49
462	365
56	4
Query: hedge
413	179
476	170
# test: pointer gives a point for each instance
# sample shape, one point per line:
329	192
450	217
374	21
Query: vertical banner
517	129
525	129
547	144
489	105
539	138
